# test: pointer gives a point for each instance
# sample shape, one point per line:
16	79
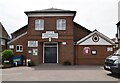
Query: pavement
53	72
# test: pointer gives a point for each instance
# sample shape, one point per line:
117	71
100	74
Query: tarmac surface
53	72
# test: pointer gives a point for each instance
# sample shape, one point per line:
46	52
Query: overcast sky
92	14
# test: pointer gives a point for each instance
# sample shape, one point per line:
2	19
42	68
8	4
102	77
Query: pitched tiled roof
24	27
82	26
51	10
3	32
54	9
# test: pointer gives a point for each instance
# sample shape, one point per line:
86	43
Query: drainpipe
75	53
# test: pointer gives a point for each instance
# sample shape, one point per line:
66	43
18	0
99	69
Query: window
2	42
39	24
32	43
109	49
61	24
19	48
94	52
95	38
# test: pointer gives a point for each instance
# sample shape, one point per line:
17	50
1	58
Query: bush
67	63
7	53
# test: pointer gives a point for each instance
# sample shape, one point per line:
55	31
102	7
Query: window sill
19	51
61	30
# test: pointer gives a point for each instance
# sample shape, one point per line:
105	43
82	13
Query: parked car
112	63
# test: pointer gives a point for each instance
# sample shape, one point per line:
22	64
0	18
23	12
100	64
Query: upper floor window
39	24
61	24
2	41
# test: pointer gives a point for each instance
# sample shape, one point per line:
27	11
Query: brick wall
99	58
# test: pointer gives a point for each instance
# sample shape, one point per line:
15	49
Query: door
50	53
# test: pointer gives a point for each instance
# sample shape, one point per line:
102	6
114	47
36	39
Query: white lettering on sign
49	34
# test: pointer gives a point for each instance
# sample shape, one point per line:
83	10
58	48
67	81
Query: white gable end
90	41
95	38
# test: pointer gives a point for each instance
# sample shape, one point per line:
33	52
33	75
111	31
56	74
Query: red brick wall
50	25
4	35
63	36
20	41
80	32
66	52
92	59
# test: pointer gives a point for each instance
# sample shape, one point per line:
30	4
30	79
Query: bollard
16	64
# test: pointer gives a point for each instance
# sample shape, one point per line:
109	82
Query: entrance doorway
50	53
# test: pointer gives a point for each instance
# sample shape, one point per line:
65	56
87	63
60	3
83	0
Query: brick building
51	36
4	38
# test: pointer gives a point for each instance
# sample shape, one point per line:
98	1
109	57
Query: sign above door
49	34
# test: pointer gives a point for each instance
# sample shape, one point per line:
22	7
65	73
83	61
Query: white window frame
32	43
61	24
39	24
20	50
2	41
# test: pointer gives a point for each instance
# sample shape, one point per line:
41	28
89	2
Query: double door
50	53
